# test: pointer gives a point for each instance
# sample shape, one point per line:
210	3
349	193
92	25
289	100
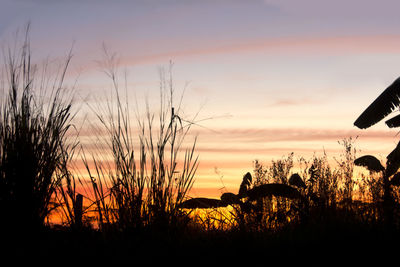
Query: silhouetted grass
35	118
151	172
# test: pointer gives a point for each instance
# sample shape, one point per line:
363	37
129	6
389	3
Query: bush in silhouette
35	117
276	197
255	207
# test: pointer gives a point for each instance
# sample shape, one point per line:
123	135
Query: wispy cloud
250	137
287	45
282	102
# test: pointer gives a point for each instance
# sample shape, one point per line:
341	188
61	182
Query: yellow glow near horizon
267	77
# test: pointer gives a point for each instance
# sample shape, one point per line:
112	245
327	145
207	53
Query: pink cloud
292	102
286	45
297	134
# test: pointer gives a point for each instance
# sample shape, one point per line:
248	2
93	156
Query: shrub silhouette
253	205
245	192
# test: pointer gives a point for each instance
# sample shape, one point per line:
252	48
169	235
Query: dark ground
316	245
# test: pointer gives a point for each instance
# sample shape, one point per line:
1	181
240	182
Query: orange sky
274	76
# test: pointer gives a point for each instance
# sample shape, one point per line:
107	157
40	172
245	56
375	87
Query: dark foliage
202	203
278	190
244	186
393	122
370	162
296	180
383	105
393	161
32	141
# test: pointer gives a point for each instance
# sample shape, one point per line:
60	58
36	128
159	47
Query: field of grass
138	206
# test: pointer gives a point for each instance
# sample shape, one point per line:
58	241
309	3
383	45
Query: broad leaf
296	180
386	102
277	190
393	122
202	203
393	161
370	162
244	186
230	198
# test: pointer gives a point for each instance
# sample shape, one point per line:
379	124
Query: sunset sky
274	76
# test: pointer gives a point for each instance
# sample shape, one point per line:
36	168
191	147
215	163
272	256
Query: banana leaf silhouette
393	161
386	102
296	180
393	122
277	190
370	162
230	198
244	186
202	203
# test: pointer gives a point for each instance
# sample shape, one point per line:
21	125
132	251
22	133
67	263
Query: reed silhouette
32	138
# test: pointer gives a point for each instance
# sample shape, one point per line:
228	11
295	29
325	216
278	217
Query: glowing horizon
274	76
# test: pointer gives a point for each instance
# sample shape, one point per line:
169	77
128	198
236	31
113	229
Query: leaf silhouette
202	203
229	198
393	161
296	180
277	190
370	162
244	186
393	122
383	105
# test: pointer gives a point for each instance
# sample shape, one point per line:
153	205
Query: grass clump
35	118
153	166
